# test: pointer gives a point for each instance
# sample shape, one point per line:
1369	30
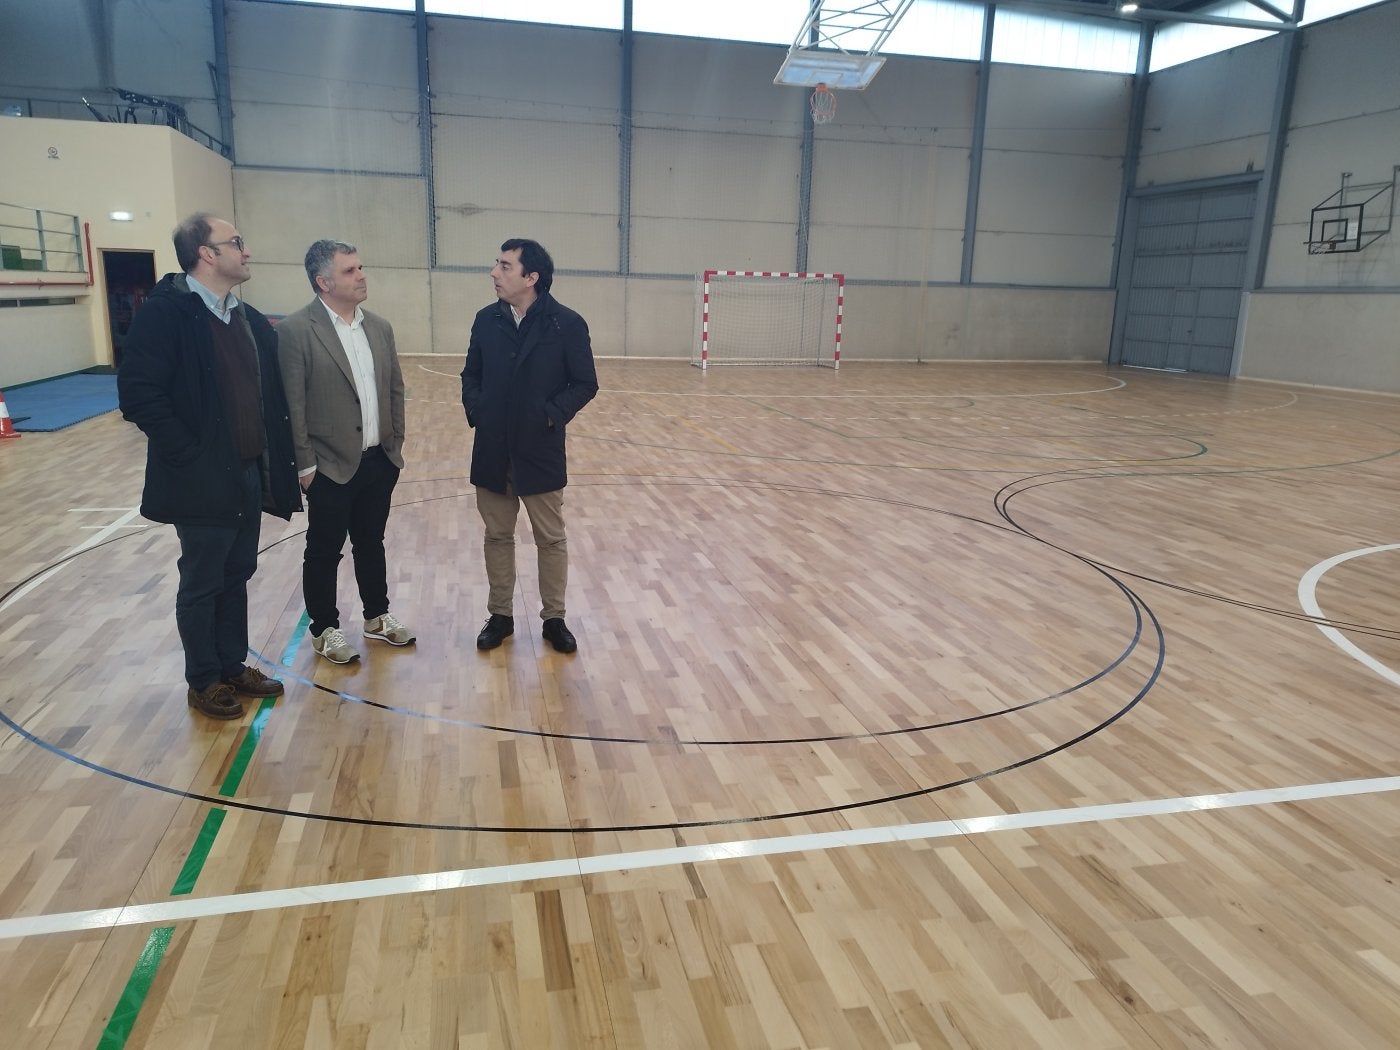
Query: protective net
769	319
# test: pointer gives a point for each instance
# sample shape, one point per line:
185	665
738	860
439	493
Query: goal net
750	318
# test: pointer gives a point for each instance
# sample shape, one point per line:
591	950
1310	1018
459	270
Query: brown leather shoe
216	701
252	682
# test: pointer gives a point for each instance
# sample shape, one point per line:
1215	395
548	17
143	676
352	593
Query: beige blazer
325	410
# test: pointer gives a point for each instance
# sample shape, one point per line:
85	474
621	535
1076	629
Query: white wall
715	172
716	158
1052	172
525	142
1324	339
154	173
942	322
1334	320
55	52
520	154
37	342
1210	117
1346	117
1330	320
890	174
320	88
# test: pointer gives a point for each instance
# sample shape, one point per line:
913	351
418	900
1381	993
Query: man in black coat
529	370
199	376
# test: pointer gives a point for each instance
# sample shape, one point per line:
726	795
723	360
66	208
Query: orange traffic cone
7	428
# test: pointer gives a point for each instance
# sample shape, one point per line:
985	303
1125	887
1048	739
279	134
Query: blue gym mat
57	403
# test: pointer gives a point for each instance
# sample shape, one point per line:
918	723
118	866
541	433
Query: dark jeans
211	606
358	509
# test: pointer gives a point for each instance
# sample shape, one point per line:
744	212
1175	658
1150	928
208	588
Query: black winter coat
168	385
521	388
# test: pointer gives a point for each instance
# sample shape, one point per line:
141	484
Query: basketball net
823	103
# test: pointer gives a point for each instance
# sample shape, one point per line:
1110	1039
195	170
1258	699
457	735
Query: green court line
245	750
203	843
133	997
143	974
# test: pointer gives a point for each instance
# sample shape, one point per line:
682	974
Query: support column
624	160
1267	203
222	90
425	130
804	177
979	137
1121	266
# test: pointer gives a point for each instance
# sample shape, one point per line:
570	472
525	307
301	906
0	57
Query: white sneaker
331	644
387	628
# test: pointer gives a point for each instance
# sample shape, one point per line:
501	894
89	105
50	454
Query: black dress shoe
559	636
495	630
252	682
216	701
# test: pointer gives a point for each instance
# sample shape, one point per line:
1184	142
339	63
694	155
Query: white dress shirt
356	345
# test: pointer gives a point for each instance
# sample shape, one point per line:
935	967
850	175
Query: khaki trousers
546	513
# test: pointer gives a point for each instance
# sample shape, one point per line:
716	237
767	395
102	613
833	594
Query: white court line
124	522
369	889
1116	384
1307	598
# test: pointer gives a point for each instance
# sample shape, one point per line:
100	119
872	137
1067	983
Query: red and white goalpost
750	317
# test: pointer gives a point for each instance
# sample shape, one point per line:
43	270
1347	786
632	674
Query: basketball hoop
823	103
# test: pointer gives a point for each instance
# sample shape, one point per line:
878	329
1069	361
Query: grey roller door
1187	276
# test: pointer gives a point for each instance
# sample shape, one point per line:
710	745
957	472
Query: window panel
1027	38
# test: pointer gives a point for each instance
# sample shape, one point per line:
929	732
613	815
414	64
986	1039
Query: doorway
129	277
1187	279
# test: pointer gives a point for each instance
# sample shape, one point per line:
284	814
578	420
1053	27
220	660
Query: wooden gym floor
966	706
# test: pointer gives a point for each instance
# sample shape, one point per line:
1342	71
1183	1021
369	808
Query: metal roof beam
1270	9
854	23
1148	14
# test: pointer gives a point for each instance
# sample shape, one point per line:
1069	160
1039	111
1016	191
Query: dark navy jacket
168	385
521	388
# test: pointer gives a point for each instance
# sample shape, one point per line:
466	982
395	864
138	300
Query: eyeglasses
237	242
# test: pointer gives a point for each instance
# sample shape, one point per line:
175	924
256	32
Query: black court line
1010	491
1140	609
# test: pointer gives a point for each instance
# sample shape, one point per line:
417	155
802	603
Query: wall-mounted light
119	216
1127	7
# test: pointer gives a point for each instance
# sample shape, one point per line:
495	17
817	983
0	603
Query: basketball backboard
836	69
1356	216
838	44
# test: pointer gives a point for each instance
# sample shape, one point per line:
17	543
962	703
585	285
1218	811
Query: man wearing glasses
200	377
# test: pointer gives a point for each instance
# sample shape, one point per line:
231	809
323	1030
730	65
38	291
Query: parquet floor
916	706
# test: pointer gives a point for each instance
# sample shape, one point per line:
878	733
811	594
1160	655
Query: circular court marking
1307	598
1148	629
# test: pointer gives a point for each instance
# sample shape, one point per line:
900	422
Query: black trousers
358	509
211	606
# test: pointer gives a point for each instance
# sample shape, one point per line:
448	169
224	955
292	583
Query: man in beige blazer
345	392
